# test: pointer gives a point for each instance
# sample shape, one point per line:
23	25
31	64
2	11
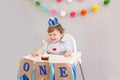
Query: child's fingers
34	54
67	55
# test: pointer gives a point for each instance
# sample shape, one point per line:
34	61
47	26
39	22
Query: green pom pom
37	3
106	2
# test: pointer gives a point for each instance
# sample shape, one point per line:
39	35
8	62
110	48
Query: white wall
23	27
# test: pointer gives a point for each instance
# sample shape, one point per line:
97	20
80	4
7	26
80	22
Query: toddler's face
55	36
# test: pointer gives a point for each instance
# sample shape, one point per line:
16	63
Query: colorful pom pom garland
73	13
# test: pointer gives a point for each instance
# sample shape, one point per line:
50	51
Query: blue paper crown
53	21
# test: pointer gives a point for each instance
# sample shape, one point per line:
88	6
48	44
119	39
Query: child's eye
49	34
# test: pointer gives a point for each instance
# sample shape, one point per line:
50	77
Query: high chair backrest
72	41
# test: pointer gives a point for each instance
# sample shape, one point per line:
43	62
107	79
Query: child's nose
52	37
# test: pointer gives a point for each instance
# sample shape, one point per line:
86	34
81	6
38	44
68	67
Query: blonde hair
58	27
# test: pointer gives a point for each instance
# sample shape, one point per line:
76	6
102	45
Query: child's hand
37	53
68	54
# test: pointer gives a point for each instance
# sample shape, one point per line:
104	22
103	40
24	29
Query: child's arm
69	48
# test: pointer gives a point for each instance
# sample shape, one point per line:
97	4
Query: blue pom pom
45	8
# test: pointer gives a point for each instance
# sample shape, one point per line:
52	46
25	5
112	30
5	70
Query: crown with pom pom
53	21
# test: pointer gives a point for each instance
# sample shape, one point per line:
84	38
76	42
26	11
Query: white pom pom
63	13
69	1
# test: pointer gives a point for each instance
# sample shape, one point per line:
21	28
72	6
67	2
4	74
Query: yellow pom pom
95	8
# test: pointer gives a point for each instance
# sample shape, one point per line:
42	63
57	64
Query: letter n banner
63	71
42	70
26	69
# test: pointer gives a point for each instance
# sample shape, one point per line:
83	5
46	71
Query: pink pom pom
72	14
59	1
53	11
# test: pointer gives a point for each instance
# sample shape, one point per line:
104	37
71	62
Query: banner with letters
63	71
26	69
42	70
30	70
